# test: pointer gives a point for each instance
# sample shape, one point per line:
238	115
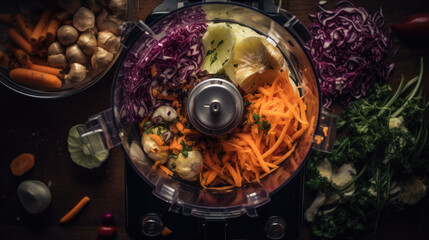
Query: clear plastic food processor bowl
191	199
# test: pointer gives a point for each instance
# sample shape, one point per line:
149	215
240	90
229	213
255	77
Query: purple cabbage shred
176	57
349	51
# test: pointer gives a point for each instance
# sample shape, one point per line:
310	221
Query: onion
167	136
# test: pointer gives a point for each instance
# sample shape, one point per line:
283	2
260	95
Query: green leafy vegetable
385	135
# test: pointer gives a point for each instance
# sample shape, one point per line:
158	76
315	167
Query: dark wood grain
40	126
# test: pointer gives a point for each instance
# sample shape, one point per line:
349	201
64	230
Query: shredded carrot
75	210
166	97
155	165
276	120
166	231
180	126
153	70
157	139
325	131
256	150
166	170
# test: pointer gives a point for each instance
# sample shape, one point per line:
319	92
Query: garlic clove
343	175
70	6
67	35
108	41
55	48
76	74
87	42
75	55
94	5
325	169
106	22
101	58
83	19
118	7
58	61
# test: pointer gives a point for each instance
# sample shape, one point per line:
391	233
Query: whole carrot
6	18
6	62
75	210
19	40
33	77
50	70
39	61
25	26
37	35
20	54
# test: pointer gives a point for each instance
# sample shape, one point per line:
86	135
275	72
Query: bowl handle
100	126
325	132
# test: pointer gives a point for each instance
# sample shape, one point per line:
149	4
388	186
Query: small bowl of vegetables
58	48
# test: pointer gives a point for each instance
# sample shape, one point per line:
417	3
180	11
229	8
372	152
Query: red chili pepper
417	25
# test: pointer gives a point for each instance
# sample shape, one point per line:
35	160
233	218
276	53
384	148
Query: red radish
106	231
107	219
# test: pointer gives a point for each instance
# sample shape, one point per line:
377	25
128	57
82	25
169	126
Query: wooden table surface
40	126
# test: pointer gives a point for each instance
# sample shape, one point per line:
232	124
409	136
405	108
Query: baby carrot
6	62
75	210
33	77
37	34
51	31
19	40
6	18
39	61
22	164
21	55
51	70
25	26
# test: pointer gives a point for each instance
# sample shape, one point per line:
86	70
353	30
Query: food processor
271	208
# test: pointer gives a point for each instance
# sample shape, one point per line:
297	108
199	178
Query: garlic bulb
34	196
75	55
83	19
58	61
76	74
55	48
93	5
106	22
87	42
108	41
70	6
118	7
67	35
101	58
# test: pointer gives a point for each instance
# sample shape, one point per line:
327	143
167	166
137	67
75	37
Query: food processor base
281	218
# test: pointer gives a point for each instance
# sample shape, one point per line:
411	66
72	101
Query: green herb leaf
225	62
264	125
214	59
256	118
247	103
210	51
